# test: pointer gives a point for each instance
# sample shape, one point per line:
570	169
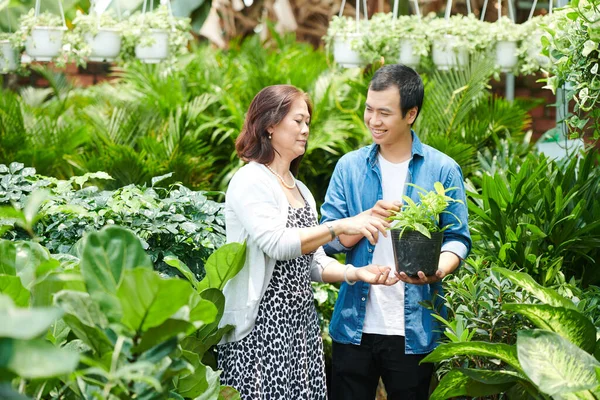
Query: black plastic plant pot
415	252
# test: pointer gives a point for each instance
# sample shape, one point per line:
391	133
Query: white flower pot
344	55
155	52
562	149
506	55
446	56
407	54
105	46
8	57
44	43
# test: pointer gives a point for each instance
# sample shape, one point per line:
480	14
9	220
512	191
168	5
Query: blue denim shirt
355	187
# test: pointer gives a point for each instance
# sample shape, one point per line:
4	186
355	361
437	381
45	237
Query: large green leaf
165	331
43	290
12	287
106	254
8	393
25	323
554	364
148	300
202	384
222	265
500	351
34	359
93	336
22	259
81	306
547	296
229	393
569	323
455	383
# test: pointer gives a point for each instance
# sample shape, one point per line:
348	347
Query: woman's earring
270	137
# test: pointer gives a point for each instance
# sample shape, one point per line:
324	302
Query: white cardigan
256	211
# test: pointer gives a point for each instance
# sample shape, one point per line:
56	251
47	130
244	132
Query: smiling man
384	332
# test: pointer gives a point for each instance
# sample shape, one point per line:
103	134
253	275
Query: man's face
384	118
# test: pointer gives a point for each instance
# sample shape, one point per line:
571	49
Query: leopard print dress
282	358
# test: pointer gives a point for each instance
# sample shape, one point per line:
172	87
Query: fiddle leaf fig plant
424	216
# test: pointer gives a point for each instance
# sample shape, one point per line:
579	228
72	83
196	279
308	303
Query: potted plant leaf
345	37
8	54
156	36
41	34
416	233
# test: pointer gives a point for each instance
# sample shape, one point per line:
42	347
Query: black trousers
356	370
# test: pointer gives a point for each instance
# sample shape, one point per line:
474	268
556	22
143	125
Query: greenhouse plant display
42	35
156	36
346	39
416	234
8	54
98	37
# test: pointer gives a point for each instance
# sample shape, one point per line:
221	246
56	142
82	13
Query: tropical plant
424	217
553	361
539	216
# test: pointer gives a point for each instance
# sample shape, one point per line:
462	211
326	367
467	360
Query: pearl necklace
292	186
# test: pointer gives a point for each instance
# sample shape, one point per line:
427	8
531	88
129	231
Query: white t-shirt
385	305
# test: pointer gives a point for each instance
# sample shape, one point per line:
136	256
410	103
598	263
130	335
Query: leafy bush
171	222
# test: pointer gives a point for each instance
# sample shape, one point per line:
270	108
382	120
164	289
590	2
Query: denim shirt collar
417	149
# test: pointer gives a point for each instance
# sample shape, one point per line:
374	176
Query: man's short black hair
408	82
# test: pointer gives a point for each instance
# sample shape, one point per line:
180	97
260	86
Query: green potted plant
156	36
97	37
416	233
506	35
42	35
454	39
345	36
408	31
8	55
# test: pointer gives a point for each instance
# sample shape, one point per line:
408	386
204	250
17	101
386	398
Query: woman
275	350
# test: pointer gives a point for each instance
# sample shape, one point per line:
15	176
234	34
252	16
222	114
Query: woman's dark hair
406	80
268	108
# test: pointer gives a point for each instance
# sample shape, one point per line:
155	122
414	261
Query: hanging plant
506	37
346	39
413	44
42	37
8	54
95	38
144	30
531	59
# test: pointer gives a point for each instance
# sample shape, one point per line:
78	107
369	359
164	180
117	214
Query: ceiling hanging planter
408	54
346	44
105	43
447	51
156	48
8	54
45	42
505	34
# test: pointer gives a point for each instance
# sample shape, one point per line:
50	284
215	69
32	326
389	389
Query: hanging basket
155	52
446	55
506	55
407	54
343	53
8	57
106	45
44	43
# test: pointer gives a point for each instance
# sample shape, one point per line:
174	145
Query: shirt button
363	299
370	250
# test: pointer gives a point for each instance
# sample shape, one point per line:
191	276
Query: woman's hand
363	224
375	275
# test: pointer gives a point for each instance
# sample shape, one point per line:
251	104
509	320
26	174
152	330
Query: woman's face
289	137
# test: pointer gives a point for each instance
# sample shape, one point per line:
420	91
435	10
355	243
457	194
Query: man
383	332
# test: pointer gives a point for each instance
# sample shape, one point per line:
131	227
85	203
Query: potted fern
8	55
42	35
416	233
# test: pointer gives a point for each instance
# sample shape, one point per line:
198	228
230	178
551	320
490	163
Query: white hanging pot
506	55
445	55
44	43
8	57
157	51
408	55
343	54
105	46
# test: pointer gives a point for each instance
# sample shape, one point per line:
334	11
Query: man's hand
383	209
422	279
